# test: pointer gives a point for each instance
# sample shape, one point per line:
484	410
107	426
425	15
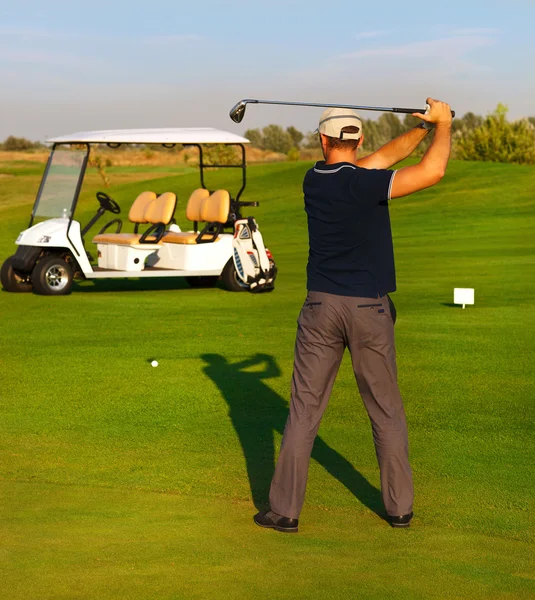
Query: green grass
118	480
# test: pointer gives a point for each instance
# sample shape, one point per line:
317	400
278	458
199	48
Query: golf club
238	112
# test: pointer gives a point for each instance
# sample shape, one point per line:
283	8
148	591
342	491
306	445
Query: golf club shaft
407	111
238	111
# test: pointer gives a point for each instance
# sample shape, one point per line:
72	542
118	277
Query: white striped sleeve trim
390	186
334	170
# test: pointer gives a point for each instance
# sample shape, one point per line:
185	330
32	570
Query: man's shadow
257	412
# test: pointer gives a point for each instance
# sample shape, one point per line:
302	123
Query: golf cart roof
183	135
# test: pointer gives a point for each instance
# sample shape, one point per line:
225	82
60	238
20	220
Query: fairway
120	480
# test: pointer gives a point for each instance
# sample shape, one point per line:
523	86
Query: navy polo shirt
351	251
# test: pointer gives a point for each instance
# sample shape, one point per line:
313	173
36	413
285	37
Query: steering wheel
108	203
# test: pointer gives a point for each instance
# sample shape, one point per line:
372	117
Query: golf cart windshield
61	183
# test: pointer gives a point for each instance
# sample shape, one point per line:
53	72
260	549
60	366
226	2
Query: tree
255	137
296	136
276	139
499	140
373	138
14	144
379	132
409	122
390	126
467	123
97	160
472	121
311	141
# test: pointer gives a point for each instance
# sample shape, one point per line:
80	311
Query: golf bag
253	261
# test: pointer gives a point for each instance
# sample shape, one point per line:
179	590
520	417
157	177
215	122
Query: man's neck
338	156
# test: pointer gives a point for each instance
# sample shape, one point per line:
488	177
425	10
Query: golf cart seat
147	208
137	211
212	209
195	202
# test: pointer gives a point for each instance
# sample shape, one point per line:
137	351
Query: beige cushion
124	239
184	237
195	202
139	207
215	209
161	210
147	208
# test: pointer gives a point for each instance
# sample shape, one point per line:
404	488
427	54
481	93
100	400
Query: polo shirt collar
322	167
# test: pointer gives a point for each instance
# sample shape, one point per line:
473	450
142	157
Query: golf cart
220	245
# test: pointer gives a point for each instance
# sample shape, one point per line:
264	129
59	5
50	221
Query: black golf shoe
271	520
400	521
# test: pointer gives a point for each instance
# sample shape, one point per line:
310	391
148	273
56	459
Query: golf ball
154	363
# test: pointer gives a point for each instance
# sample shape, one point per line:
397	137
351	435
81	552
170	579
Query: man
350	272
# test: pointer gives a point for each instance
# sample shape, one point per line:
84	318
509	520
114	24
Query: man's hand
439	113
432	167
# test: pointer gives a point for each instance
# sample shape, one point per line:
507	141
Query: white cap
333	120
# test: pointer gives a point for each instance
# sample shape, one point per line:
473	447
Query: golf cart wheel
206	281
52	276
230	278
12	280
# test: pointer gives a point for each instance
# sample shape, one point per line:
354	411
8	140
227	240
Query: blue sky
69	66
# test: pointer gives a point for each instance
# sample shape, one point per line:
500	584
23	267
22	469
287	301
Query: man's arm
394	151
431	169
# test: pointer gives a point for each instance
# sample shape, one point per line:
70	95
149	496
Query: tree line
19	144
492	138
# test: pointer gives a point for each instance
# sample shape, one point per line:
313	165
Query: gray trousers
326	326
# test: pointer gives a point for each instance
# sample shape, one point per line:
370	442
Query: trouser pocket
381	307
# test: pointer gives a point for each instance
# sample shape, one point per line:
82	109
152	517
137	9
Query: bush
293	154
16	144
220	154
499	140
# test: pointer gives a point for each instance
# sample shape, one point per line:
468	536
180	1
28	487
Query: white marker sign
463	296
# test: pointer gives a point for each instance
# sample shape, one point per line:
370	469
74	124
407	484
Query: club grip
410	111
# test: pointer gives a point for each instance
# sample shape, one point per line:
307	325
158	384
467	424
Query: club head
237	113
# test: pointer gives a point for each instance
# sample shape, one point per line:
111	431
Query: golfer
350	273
